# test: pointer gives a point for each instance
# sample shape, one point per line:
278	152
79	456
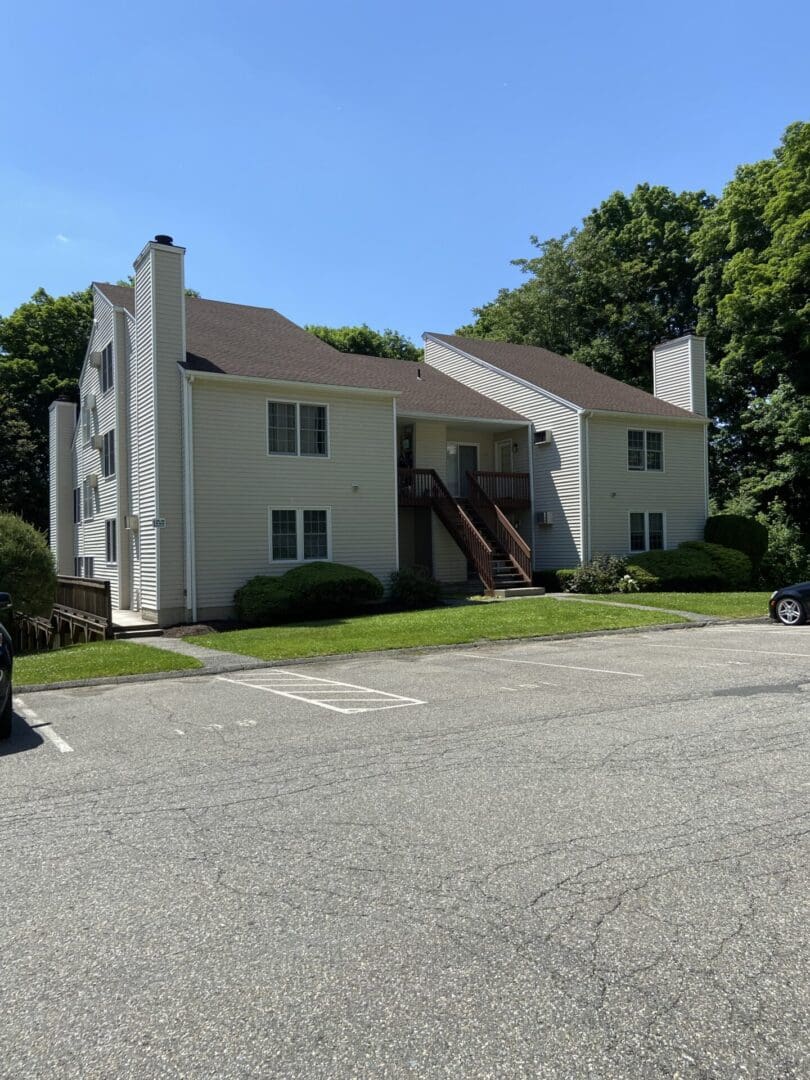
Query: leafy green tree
364	341
42	348
753	262
607	293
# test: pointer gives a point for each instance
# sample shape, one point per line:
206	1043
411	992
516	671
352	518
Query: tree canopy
364	341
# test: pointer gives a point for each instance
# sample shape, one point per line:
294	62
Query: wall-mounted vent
97	442
92	479
544	517
95	359
131	522
89	401
542	438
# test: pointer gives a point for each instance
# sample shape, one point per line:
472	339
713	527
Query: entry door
467	462
505	456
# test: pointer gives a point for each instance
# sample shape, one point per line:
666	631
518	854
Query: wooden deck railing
507	535
505	488
86	595
416	487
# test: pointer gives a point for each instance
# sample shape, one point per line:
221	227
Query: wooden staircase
501	557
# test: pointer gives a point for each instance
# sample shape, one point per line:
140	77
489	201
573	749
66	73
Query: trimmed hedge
695	566
740	533
319	590
414	588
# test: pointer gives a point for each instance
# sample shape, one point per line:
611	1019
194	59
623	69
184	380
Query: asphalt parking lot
557	859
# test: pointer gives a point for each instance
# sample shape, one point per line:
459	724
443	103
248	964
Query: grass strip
95	660
437	626
730	605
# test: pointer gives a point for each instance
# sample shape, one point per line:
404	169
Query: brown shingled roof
566	378
234	339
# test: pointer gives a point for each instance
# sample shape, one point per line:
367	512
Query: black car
6	665
791	605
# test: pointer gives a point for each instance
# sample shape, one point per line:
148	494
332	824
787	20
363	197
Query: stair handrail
509	538
463	531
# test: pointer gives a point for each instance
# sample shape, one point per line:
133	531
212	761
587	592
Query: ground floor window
110	541
83	566
646	530
300	535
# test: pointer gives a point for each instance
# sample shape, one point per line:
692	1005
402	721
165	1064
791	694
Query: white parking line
719	648
290	684
43	727
543	663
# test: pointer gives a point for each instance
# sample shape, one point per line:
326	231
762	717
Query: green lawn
730	605
437	626
97	659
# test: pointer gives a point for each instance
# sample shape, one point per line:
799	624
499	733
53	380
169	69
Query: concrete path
213	660
692	616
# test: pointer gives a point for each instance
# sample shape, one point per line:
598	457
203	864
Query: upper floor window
108	454
106	371
645	451
297	429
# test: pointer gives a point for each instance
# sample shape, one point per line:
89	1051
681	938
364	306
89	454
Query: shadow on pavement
23	737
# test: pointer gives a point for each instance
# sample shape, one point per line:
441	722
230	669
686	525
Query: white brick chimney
679	373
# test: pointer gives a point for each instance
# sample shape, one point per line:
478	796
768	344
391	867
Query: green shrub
733	564
601	575
787	559
738	532
413	588
262	601
563	578
681	570
646	581
322	589
26	567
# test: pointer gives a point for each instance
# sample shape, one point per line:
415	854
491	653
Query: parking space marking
545	663
42	726
720	648
327	693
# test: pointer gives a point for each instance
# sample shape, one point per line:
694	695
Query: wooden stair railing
507	535
505	488
465	534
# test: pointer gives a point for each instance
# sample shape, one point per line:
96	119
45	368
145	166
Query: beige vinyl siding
61	421
169	346
91	534
679	373
236	481
679	492
699	403
144	393
129	541
556	468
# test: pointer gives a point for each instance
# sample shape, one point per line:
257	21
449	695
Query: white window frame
110	534
109	440
298	452
646	513
643	468
299	535
106	372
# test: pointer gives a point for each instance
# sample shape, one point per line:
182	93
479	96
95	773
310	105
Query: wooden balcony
509	490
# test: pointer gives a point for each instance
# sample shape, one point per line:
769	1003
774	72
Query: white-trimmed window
301	534
108	454
77	505
105	373
110	541
646	530
297	429
83	566
645	450
89	498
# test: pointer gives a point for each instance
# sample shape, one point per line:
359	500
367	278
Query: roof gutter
259	380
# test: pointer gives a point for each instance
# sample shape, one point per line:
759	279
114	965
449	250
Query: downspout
532	495
585	484
188	497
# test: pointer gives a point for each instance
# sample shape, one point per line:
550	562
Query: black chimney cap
162	238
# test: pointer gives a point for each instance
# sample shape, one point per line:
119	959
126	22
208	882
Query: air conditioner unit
92	479
542	438
97	442
89	401
544	517
95	359
131	522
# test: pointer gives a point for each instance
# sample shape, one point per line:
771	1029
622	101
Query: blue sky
366	162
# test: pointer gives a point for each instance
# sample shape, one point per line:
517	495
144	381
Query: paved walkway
692	616
212	660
